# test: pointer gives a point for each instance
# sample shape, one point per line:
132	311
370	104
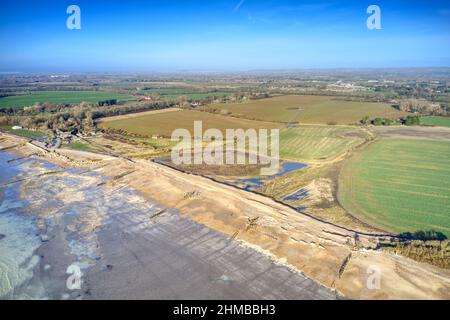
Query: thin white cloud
239	5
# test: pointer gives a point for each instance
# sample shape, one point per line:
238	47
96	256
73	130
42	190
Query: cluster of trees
423	107
377	121
110	102
408	121
40	108
73	118
117	110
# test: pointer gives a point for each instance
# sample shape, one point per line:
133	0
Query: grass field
318	142
165	123
24	132
70	97
78	146
399	185
173	93
308	109
198	96
169	91
435	121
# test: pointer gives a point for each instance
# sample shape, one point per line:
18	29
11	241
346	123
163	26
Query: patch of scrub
318	192
299	195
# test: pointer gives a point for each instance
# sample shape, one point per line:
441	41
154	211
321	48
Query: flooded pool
251	184
287	167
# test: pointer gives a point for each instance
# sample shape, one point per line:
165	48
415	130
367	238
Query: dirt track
135	115
432	133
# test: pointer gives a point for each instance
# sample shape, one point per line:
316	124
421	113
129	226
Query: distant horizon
221	35
242	70
245	71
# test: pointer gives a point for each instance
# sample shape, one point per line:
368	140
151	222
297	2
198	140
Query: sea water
18	236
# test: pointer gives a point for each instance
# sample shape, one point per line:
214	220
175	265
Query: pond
250	184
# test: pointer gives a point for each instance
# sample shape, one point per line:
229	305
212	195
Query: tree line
413	120
80	117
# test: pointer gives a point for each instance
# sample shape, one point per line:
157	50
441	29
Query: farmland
173	93
399	185
308	109
318	142
302	143
24	132
165	123
435	121
69	97
197	95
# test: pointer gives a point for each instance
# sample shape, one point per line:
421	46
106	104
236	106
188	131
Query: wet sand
176	258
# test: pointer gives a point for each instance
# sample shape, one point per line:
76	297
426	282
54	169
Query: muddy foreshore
125	245
135	227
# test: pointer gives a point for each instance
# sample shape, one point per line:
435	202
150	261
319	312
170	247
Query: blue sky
220	35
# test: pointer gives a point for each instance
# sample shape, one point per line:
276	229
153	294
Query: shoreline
126	239
312	248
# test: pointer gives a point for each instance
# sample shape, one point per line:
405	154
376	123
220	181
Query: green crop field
399	185
70	97
198	96
23	132
78	146
165	123
170	91
308	109
435	121
318	142
173	93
